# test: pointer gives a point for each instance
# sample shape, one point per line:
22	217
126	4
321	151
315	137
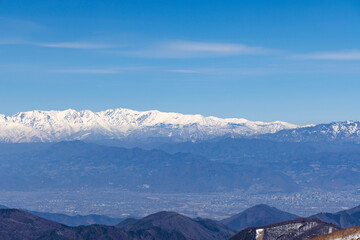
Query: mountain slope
20	225
296	229
78	219
347	131
258	215
54	126
344	219
17	224
171	225
79	165
352	233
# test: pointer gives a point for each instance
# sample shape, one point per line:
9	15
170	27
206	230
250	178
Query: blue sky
296	61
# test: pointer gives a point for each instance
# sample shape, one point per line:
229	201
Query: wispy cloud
347	55
73	45
101	70
221	48
88	71
230	71
76	45
184	49
182	71
20	24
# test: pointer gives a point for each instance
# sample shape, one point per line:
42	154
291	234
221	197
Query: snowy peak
121	123
346	131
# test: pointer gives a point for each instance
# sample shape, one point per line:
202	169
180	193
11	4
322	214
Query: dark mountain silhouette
20	225
92	232
78	220
17	224
77	165
344	219
126	222
258	215
296	229
171	225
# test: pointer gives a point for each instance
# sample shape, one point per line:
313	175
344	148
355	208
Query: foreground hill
256	216
20	225
352	233
55	126
79	165
344	219
171	225
17	224
296	229
78	220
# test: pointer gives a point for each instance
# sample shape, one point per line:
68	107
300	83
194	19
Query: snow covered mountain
54	126
346	131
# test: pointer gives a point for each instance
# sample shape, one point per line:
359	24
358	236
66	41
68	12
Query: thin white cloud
347	55
186	49
76	45
221	48
20	24
73	45
182	71
88	71
99	70
230	71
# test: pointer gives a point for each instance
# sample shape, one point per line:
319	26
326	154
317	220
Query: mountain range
54	126
78	220
258	222
149	126
325	165
222	165
20	225
76	165
346	131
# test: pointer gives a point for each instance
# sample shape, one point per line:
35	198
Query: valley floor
124	203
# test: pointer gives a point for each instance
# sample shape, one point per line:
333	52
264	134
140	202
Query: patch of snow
259	234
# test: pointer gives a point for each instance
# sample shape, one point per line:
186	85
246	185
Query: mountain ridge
120	123
342	131
344	219
176	226
258	215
